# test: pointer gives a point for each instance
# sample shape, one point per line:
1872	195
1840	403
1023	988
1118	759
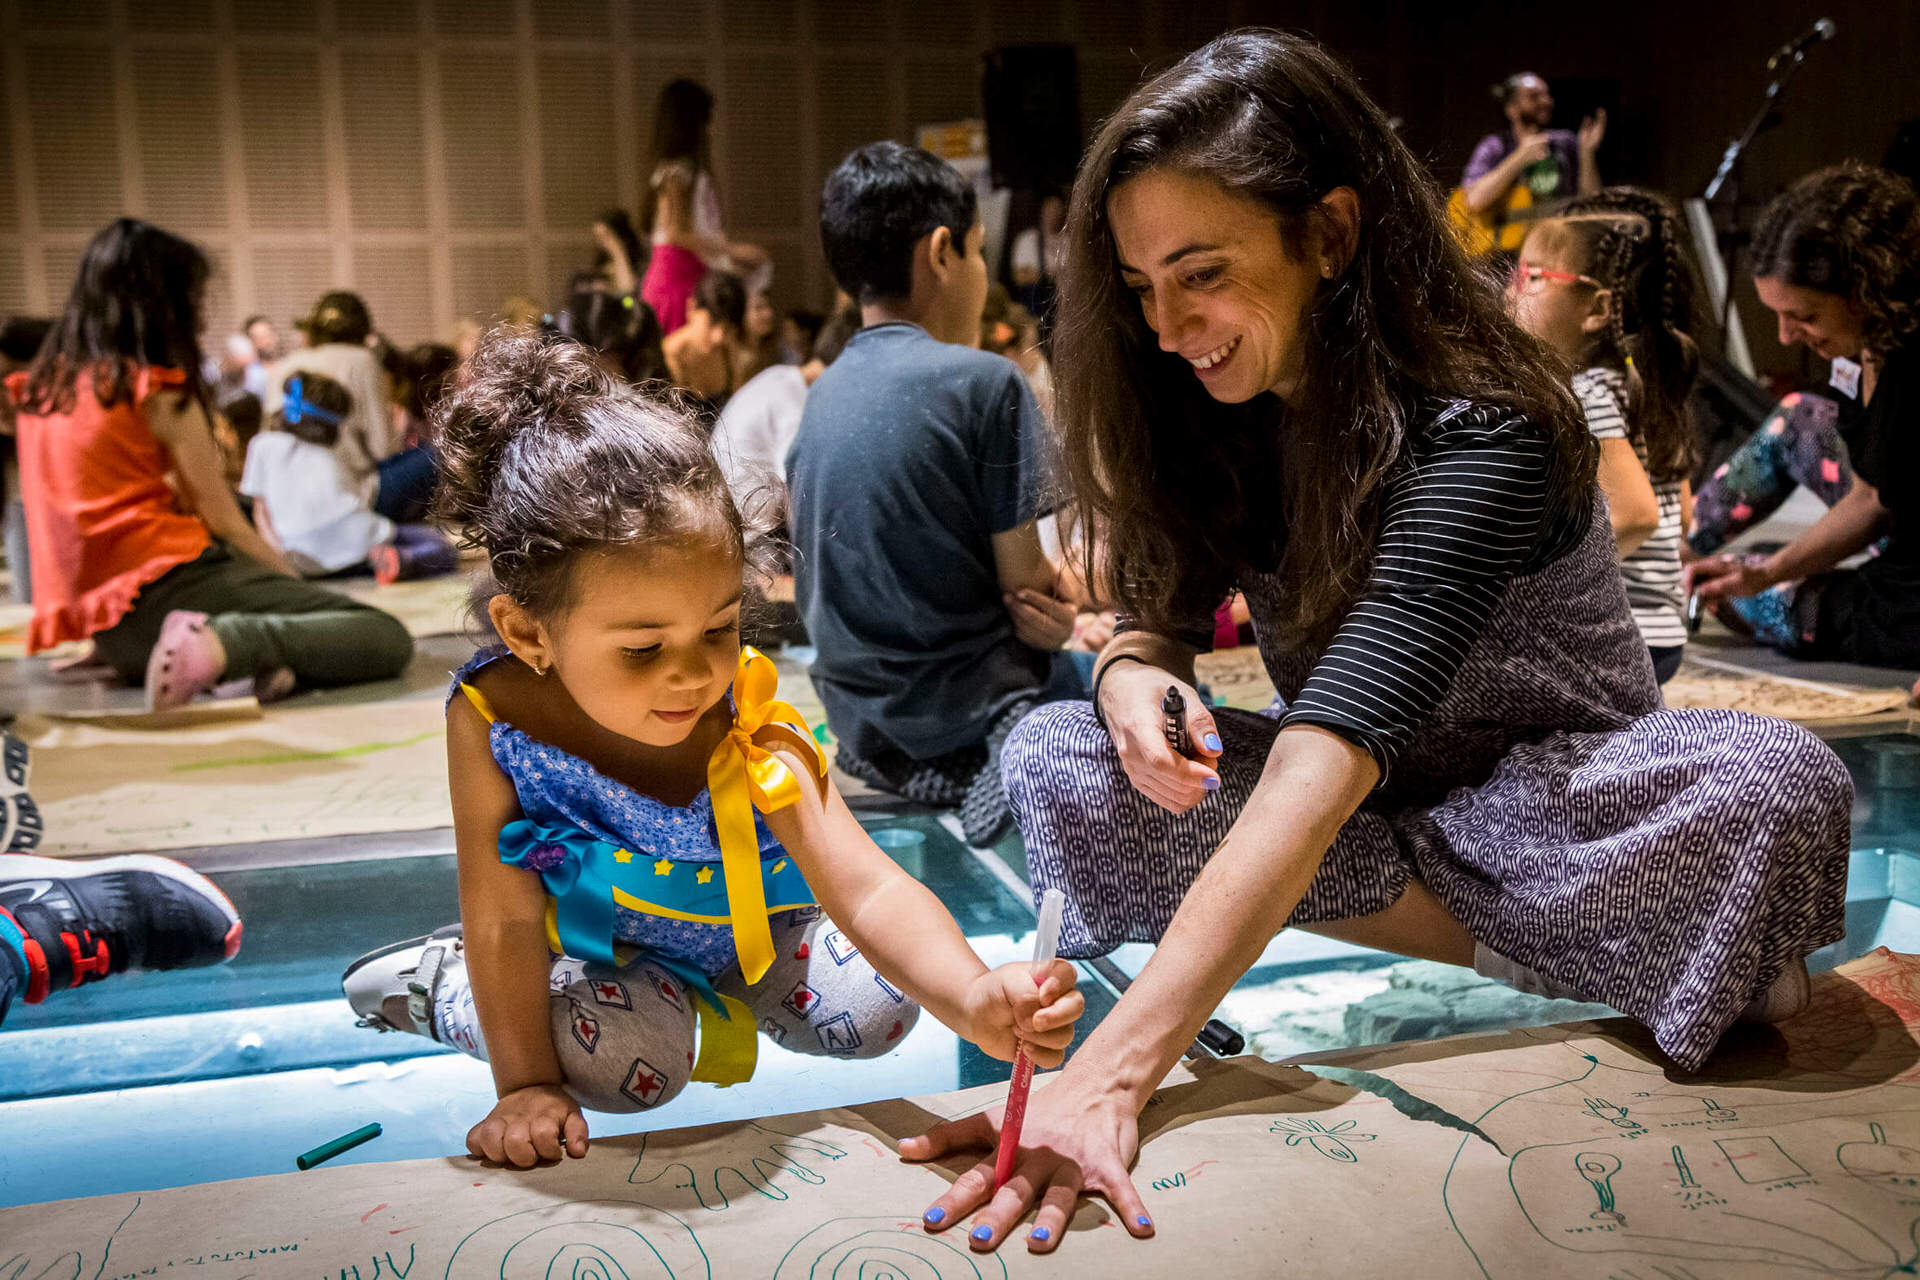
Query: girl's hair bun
544	453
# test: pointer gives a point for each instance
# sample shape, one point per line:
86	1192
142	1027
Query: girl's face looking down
651	641
1215	280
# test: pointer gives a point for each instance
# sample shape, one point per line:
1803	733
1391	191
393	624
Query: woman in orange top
134	538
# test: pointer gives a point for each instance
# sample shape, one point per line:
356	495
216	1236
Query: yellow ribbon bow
742	775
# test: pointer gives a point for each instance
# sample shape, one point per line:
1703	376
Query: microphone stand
1727	176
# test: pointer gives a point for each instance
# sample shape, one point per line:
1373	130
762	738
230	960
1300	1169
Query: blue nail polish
1211	783
1213	742
1143	1220
1042	1234
983	1233
936	1215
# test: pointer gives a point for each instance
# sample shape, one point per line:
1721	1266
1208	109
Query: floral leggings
1799	444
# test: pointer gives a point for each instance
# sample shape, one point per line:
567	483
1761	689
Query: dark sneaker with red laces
83	919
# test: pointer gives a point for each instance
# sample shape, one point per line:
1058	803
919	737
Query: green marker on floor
345	1142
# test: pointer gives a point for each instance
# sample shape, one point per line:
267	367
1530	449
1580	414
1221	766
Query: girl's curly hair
1850	230
545	455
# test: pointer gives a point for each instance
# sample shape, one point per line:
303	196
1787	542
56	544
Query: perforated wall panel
576	138
386	149
486	276
397	282
480	120
177	122
289	278
283	139
763	144
76	150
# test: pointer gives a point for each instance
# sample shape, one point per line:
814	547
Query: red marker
1046	943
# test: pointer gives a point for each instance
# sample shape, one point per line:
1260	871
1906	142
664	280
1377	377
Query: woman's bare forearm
1313	782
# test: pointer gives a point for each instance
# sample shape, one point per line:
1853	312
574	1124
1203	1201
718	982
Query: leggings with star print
1798	445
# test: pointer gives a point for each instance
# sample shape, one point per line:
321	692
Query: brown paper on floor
1722	685
109	787
1797	1154
426	606
1236	677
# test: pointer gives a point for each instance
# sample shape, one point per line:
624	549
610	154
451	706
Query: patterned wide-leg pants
1670	869
626	1038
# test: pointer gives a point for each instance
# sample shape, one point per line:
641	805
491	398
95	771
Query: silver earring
539	670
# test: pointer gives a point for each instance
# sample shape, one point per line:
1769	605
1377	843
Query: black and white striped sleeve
1456	526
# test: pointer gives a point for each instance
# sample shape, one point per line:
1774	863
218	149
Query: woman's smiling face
1215	281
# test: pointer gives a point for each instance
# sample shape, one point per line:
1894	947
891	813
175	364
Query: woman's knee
624	1038
1056	745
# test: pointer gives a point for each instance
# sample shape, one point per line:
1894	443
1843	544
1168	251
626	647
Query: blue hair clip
296	409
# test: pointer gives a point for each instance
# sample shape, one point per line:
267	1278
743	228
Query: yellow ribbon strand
729	1046
742	776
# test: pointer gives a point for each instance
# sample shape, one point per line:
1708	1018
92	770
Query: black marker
1173	711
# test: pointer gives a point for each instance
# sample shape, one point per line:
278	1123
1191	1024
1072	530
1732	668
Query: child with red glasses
1606	286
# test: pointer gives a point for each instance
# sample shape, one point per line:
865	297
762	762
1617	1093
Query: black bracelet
1101	674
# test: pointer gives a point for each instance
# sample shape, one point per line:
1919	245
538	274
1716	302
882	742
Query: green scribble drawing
1759	1160
1601	1109
715	1188
582	1240
871	1248
1331	1143
1598	1168
1883	1165
1686	1174
299	757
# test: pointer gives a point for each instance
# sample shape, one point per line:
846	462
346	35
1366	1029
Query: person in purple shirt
1556	164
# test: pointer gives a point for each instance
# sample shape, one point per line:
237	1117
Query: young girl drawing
1607	288
607	758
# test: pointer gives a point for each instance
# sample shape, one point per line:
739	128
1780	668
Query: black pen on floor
1173	723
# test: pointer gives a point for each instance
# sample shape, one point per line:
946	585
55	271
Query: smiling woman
1278	373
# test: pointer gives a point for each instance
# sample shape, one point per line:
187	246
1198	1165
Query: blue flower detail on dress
558	789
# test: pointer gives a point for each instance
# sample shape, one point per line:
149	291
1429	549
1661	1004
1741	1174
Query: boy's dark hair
721	295
253	320
545	454
877	205
313	408
339	316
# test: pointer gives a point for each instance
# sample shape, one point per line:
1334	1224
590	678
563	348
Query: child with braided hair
1607	286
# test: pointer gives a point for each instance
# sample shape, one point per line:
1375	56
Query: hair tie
297	409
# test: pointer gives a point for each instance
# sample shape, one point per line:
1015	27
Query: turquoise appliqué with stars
559	789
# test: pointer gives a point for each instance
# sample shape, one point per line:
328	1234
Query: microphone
1818	33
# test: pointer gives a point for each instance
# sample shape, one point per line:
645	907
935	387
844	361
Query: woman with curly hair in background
1837	258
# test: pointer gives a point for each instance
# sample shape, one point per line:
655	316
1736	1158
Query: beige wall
440	155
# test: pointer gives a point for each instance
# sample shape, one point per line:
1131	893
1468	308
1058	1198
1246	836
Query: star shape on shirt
621	855
705	875
664	867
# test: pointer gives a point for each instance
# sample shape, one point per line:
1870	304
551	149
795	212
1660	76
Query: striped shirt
1652	569
1458	522
1464	515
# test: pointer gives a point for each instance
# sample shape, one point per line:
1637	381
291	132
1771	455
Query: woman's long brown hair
1191	491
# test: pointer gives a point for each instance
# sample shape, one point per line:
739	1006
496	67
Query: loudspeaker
1032	96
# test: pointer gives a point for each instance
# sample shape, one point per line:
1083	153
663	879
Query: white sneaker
392	989
1787	996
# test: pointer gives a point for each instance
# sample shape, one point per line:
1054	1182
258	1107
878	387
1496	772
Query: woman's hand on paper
1078	1139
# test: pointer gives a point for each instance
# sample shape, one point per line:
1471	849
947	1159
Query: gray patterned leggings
626	1037
1671	869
